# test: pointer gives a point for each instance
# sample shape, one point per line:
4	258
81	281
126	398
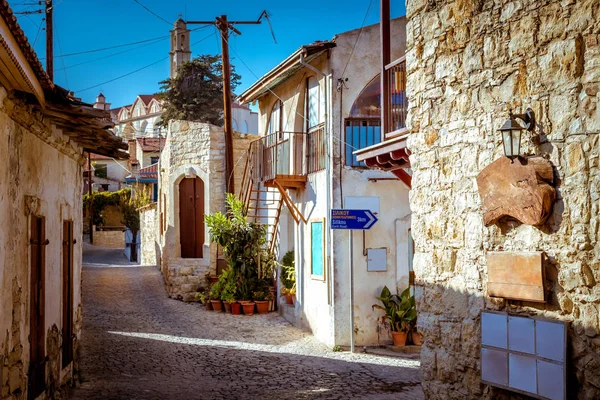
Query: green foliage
100	170
288	271
337	348
400	312
129	206
196	94
228	284
103	199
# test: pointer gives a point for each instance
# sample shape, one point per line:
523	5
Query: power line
108	56
153	13
137	70
280	99
37	35
121	45
63	60
358	37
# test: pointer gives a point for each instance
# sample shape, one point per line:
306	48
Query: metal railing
397	105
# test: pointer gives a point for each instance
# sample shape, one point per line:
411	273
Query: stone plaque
517	276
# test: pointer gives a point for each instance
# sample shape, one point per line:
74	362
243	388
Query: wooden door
67	293
191	217
37	365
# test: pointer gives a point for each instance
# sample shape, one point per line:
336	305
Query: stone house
108	173
43	136
324	99
468	63
144	154
191	174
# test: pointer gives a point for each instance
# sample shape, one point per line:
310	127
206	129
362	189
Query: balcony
391	153
287	158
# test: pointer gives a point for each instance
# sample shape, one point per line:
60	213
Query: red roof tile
146	98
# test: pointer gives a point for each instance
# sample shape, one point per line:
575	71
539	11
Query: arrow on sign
352	219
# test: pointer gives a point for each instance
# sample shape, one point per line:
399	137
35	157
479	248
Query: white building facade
315	109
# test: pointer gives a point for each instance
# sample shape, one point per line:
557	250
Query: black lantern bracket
528	119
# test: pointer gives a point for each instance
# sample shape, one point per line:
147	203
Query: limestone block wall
149	234
114	239
199	149
40	174
468	63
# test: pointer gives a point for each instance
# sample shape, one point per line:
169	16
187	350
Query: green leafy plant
288	271
102	199
337	348
399	309
227	282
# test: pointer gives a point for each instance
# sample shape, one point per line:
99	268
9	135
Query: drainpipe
328	148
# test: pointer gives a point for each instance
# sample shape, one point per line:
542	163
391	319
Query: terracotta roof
99	157
147	97
24	45
151	144
150	171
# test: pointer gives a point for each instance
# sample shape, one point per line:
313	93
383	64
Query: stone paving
139	344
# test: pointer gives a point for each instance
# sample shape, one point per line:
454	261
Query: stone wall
114	239
197	149
468	63
149	234
40	174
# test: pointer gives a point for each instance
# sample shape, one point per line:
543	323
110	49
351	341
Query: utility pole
49	41
223	25
90	198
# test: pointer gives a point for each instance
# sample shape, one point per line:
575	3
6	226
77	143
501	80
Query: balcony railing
287	154
397	105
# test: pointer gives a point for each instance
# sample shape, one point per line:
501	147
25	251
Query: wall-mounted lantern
511	132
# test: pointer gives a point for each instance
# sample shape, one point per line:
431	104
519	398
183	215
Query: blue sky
82	25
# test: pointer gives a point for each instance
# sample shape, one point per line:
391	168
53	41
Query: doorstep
411	352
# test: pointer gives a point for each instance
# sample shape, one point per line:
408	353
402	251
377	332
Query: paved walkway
139	344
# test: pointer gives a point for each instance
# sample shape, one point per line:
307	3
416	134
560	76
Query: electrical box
525	355
377	260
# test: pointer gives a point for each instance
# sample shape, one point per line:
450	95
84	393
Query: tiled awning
389	155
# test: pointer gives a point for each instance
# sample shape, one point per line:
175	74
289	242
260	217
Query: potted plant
399	313
288	277
205	299
248	307
215	297
262	304
415	337
293	294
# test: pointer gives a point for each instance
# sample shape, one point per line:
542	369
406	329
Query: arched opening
245	127
191	217
234	125
363	126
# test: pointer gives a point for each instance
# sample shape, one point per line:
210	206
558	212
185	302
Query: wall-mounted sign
352	219
516	275
524	355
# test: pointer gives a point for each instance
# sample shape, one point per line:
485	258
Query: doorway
67	294
191	217
37	365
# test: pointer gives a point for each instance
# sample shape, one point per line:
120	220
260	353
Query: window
276	119
317	257
315	103
100	170
153	160
360	133
104	187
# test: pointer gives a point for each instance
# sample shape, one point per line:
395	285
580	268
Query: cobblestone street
139	344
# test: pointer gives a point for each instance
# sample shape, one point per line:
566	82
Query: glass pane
368	103
314	102
516	142
507	141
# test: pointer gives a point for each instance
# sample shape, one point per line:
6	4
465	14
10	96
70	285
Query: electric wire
153	13
122	45
63	60
279	98
357	38
37	35
139	69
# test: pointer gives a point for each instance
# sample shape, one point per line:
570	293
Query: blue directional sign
352	219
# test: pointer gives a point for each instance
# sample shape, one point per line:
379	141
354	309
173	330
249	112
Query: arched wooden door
191	217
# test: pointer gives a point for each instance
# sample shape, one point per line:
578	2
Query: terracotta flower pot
262	306
289	299
399	338
208	305
248	307
217	305
236	308
227	306
294	299
417	338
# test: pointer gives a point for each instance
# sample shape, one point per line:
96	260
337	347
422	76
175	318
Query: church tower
180	46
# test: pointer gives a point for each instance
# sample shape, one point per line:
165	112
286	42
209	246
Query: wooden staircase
264	192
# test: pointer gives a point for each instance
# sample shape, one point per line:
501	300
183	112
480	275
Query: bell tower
180	46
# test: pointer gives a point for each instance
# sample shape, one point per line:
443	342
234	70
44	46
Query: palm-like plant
399	309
